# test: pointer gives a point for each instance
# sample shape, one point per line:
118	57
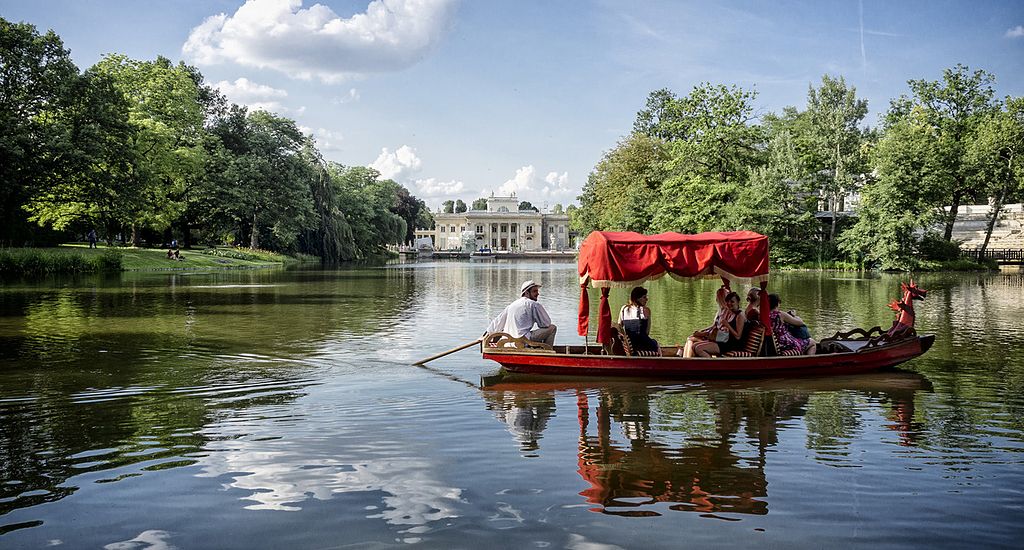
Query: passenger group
527	318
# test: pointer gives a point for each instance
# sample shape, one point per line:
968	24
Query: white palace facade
503	226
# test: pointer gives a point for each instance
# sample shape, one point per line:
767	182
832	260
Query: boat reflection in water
696	448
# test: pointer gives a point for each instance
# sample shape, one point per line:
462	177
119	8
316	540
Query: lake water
279	409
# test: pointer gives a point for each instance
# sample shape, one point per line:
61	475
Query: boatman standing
519	318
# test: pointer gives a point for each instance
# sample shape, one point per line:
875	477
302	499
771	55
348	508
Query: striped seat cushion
752	345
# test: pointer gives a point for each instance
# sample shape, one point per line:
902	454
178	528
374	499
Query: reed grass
18	261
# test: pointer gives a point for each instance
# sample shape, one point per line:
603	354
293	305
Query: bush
963	264
933	247
35	260
109	260
249	254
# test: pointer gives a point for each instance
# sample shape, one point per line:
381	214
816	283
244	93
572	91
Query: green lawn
155	259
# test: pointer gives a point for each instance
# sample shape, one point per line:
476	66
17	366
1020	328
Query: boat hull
580	364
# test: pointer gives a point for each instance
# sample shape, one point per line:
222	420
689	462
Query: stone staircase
972	220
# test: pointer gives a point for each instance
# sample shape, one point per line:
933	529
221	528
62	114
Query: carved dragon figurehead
904	307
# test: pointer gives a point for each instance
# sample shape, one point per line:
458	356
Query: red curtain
583	321
625	257
604	319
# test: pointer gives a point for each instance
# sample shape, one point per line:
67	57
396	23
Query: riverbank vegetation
81	259
707	161
146	152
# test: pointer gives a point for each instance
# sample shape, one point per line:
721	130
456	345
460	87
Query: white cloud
325	139
403	165
431	188
315	42
527	185
351	97
1015	32
257	97
400	165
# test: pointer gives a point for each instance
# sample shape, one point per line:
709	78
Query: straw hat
527	286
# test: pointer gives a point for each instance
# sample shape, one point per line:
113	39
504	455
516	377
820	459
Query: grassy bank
81	259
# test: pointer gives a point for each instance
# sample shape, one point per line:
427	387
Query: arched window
502	209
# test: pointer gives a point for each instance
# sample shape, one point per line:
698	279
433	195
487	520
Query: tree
448	206
480	204
713	143
557	208
996	158
834	114
770	203
526	205
331	238
37	78
460	206
900	203
622	192
94	146
266	189
164	108
953	109
408	208
368	201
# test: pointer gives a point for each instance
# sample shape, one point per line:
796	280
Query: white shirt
519	317
628	313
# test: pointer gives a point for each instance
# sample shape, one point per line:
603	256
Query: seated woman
725	334
784	339
753	303
635	320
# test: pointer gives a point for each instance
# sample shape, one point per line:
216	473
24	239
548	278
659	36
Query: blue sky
462	99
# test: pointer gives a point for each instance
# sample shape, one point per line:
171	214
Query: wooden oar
453	350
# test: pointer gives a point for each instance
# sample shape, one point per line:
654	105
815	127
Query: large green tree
953	108
622	192
834	115
367	202
37	81
265	187
996	159
164	108
900	203
714	141
92	186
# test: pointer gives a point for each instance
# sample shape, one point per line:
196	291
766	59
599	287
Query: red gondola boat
627	259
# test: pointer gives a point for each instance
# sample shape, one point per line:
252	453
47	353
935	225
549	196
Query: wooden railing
1004	256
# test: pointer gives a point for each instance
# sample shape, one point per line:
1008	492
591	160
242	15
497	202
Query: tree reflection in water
700	449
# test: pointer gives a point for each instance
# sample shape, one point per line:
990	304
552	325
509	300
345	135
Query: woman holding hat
520	317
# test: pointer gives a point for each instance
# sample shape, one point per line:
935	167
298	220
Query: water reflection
645	449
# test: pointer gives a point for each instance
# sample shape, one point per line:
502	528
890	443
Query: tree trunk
992	223
951	217
136	236
254	240
995	211
186	232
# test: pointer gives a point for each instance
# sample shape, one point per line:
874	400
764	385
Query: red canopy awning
609	259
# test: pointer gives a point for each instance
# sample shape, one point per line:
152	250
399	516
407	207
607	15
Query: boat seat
754	340
627	346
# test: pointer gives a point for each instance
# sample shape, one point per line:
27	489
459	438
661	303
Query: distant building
501	227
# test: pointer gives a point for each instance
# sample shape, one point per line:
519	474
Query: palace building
501	227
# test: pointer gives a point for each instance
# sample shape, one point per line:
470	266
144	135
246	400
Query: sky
462	99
